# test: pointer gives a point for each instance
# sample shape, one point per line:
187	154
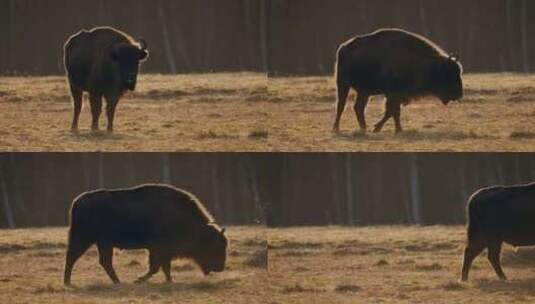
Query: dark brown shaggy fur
167	221
495	215
401	65
103	62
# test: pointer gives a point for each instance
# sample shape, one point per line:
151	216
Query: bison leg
77	95
75	250
343	90
388	113
105	253
494	250
472	250
154	266
360	108
166	267
111	104
96	109
396	113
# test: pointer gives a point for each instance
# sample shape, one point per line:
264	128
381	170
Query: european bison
102	62
167	221
495	215
398	64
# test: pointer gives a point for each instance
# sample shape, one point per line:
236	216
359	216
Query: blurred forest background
280	36
182	35
488	35
384	188
277	189
36	189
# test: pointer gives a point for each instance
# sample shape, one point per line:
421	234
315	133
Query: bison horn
454	57
223	230
143	44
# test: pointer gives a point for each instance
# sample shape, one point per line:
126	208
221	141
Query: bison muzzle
103	62
401	65
496	215
167	221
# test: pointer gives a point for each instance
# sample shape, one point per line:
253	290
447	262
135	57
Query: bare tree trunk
209	34
510	34
253	185
263	34
285	195
415	190
131	171
101	13
85	168
180	45
166	168
349	189
407	198
423	19
335	189
524	31
17	199
100	170
5	197
167	43
463	192
379	186
214	174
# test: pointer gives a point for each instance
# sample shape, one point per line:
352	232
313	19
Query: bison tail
472	214
339	58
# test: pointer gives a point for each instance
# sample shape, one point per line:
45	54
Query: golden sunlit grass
31	271
389	265
497	114
198	112
248	112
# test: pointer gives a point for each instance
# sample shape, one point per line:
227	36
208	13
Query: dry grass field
31	271
198	112
249	112
497	114
389	265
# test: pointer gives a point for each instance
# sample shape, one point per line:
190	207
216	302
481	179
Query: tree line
36	189
278	36
274	189
488	35
384	188
183	35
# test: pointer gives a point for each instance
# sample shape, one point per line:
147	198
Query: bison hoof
377	130
336	129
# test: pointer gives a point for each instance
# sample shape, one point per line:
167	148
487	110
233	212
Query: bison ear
143	54
223	230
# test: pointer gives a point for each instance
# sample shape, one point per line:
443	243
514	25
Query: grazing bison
495	215
398	64
103	62
167	221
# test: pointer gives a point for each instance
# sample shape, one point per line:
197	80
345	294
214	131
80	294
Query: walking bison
398	64
167	221
103	62
495	215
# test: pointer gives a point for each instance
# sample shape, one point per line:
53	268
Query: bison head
128	56
212	252
448	84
